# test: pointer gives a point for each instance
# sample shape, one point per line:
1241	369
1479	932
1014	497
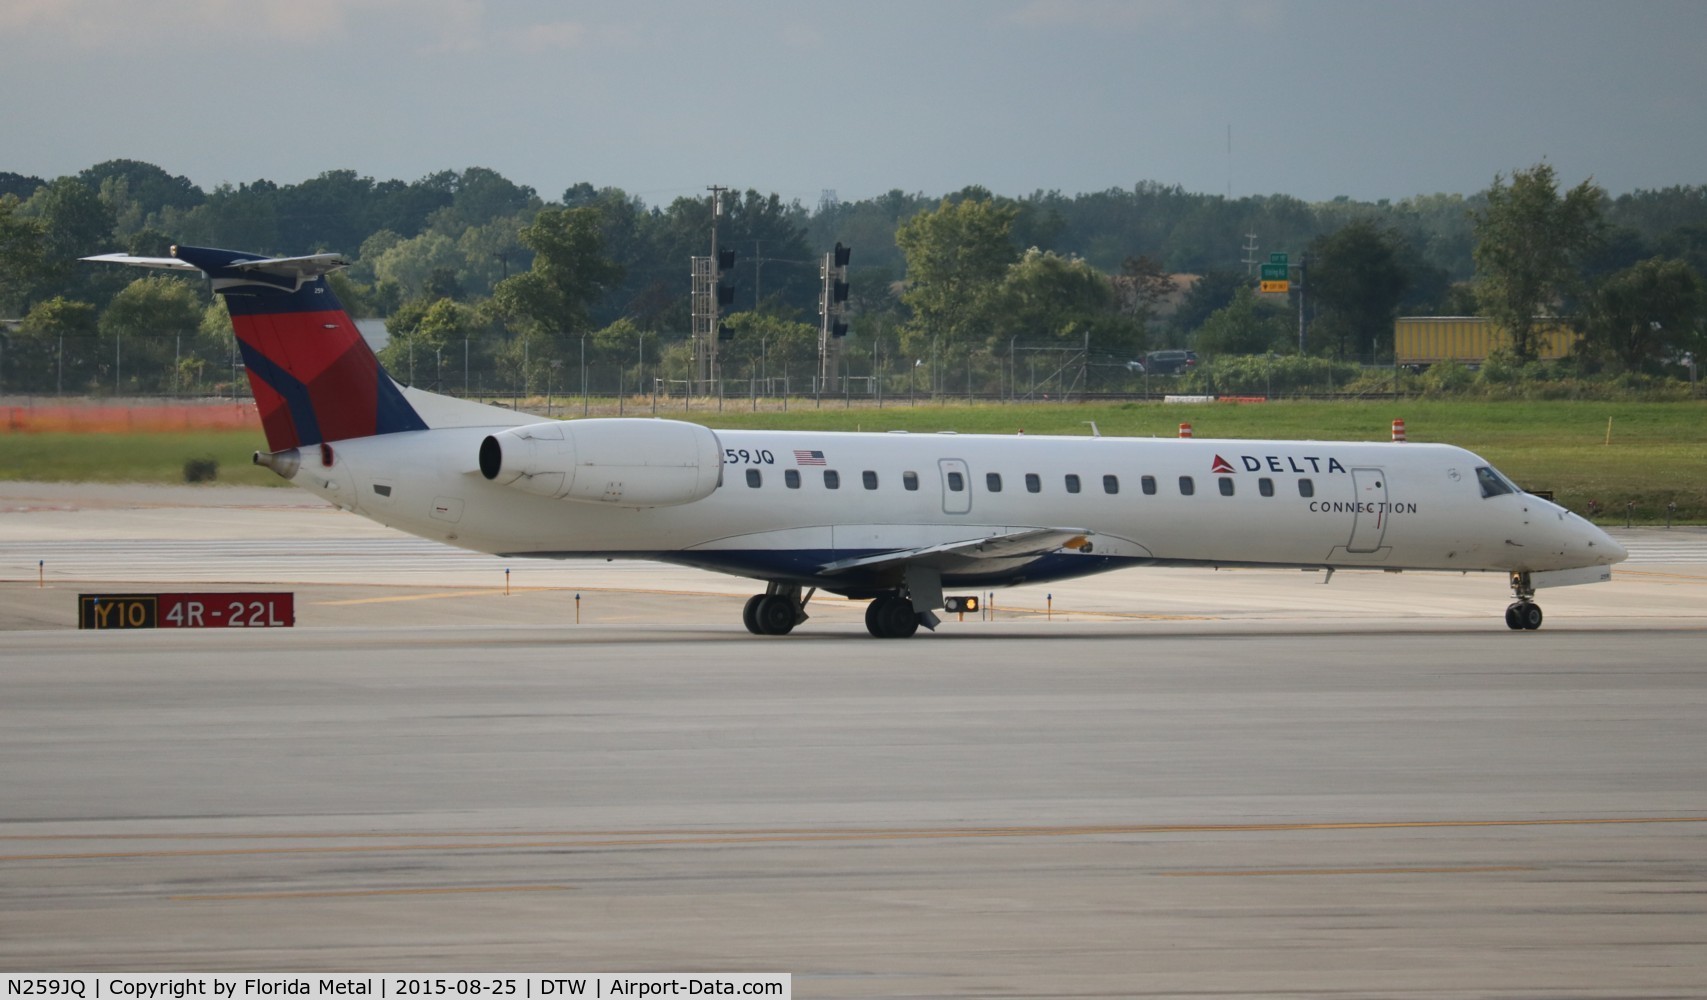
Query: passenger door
1369	524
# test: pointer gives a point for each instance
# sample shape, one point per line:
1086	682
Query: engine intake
626	462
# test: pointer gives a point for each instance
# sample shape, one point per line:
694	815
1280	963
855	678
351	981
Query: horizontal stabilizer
1015	544
226	264
168	263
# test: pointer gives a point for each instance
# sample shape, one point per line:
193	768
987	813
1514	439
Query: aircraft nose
1611	549
1603	546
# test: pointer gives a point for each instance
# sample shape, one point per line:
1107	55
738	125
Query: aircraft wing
1016	544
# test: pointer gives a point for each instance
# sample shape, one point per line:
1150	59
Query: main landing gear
777	610
891	617
1524	613
782	606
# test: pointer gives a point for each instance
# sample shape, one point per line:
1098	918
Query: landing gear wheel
1523	616
1524	613
891	617
774	615
750	614
874	616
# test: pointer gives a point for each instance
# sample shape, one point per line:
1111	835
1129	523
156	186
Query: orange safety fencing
141	418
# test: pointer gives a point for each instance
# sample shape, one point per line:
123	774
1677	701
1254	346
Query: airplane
896	519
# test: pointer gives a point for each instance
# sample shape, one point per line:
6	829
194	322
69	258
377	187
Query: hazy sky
1369	99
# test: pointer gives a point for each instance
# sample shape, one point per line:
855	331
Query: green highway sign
1277	258
1274	271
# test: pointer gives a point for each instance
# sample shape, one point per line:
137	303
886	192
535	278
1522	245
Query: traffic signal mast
832	307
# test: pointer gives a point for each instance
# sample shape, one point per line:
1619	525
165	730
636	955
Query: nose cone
1585	544
1605	545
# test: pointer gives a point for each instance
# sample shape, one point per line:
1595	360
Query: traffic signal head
842	254
725	259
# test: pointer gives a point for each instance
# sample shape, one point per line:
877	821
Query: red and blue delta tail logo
1221	465
314	377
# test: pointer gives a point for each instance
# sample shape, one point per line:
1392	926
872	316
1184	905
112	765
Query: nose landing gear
1523	614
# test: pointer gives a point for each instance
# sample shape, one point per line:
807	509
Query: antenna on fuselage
1094	432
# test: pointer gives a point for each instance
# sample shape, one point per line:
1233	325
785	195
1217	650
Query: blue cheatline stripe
392	413
294	393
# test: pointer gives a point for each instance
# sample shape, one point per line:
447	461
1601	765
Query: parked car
1170	362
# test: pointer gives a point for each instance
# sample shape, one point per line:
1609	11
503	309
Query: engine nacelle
626	462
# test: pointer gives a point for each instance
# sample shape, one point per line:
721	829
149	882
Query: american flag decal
808	457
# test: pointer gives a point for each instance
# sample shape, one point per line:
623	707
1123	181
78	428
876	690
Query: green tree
1530	244
1047	298
773	346
568	275
1212	291
1651	311
426	346
21	255
1245	326
147	330
1357	278
54	347
958	256
75	223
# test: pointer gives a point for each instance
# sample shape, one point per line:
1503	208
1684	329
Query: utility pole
1303	290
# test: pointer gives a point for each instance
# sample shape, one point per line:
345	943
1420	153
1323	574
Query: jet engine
625	462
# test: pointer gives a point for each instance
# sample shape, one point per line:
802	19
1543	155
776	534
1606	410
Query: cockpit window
1493	484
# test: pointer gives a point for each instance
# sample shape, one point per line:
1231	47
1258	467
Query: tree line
486	284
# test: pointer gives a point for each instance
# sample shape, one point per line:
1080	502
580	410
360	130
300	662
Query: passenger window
1111	484
1033	483
1493	484
956	483
1072	483
870	478
1265	486
1186	486
1306	488
832	479
791	478
993	482
910	480
1149	485
1226	486
754	479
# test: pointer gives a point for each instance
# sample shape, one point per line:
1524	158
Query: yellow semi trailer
1427	340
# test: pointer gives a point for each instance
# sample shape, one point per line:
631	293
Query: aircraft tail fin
314	378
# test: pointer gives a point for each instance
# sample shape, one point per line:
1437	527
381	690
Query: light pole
583	374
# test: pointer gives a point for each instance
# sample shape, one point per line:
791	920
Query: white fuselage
788	503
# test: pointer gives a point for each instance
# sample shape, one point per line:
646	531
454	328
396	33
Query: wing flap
1014	544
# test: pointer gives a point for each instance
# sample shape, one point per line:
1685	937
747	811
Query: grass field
1658	453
